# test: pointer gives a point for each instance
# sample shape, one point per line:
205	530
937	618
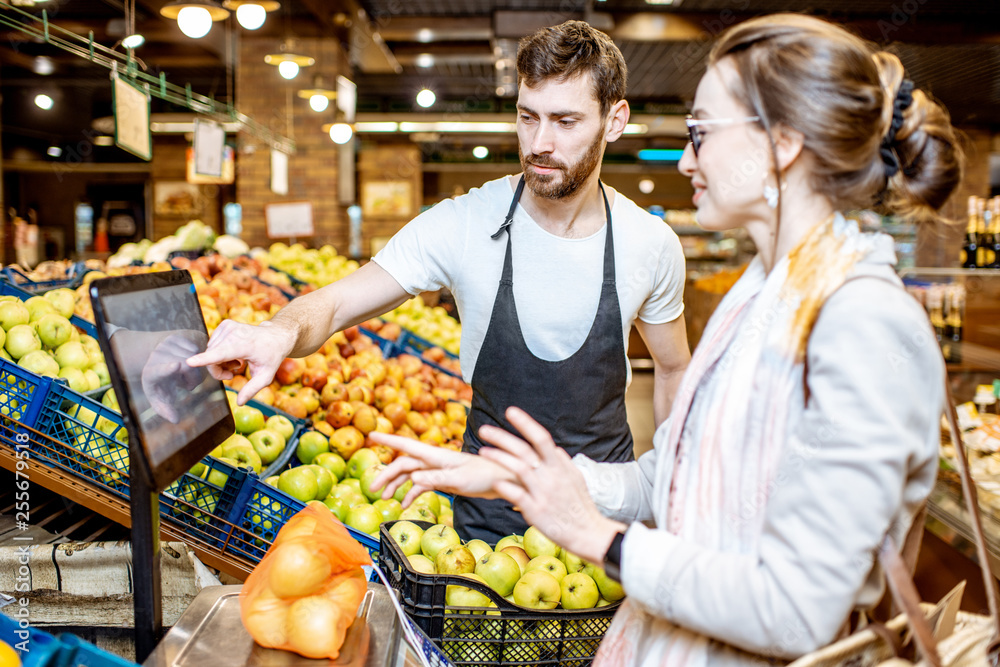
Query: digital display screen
150	334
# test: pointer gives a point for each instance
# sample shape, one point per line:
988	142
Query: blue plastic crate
22	393
388	347
46	650
260	512
410	343
200	504
7	289
289	451
15	277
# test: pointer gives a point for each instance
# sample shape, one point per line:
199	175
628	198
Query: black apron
580	400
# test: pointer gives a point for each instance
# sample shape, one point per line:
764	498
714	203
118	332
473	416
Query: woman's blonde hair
840	93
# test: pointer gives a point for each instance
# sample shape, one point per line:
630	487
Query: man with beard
549	270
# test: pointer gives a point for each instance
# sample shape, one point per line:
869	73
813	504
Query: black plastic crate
505	635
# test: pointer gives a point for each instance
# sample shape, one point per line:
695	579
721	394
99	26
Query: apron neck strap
510	212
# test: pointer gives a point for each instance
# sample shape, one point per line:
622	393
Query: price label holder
148	326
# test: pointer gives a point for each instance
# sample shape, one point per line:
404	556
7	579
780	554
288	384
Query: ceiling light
194	17
319	103
480	152
341	133
54	151
289	64
425	60
43	101
43	65
426	98
251	13
636	128
646	186
377	126
424	35
133	41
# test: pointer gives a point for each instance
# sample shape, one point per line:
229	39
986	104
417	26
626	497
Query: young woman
806	427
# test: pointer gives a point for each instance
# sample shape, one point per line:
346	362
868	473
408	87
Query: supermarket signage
209	148
293	219
131	104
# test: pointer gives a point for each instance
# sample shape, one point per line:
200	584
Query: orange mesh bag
305	593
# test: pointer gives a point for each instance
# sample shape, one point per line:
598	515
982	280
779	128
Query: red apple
351	333
290	371
339	414
315	377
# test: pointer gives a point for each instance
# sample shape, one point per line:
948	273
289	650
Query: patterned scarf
740	397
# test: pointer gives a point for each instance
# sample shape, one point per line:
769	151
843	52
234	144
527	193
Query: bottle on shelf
995	213
954	320
983	242
934	302
971	244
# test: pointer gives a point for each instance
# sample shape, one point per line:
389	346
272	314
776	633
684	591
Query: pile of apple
256	444
392	331
38	336
529	571
433	324
317	267
348	389
343	487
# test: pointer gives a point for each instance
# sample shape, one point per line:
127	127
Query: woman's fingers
532	431
395	475
408	446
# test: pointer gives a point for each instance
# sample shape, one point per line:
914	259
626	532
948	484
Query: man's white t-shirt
557	281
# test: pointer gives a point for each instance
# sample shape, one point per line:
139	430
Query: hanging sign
131	105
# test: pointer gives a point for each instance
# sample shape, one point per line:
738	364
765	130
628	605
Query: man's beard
546	185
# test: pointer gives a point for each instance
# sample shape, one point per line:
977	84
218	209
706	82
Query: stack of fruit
437	355
343	487
317	267
434	324
529	571
348	389
39	337
256	444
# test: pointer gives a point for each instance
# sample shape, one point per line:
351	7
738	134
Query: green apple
579	591
517	553
21	340
368	478
13	313
479	548
333	462
338	506
220	477
610	589
401	492
3	352
444	500
93	379
244	456
311	444
91	344
389	509
75	377
101	369
364	518
500	571
354	484
549	564
437	538
199	469
248	419
272	481
110	400
572	562
268	444
537	589
299	483
418	513
63	300
455	559
54	330
537	544
234	439
324	481
38	307
407	535
353	499
71	354
421	563
464	596
509	541
280	424
360	461
40	362
430	500
601	602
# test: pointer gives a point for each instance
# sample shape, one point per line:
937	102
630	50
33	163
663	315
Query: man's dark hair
571	49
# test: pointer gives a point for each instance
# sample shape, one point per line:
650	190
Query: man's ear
617	120
788	144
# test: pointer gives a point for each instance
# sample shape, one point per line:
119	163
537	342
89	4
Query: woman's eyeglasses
694	123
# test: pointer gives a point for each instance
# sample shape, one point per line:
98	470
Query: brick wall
169	164
312	171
